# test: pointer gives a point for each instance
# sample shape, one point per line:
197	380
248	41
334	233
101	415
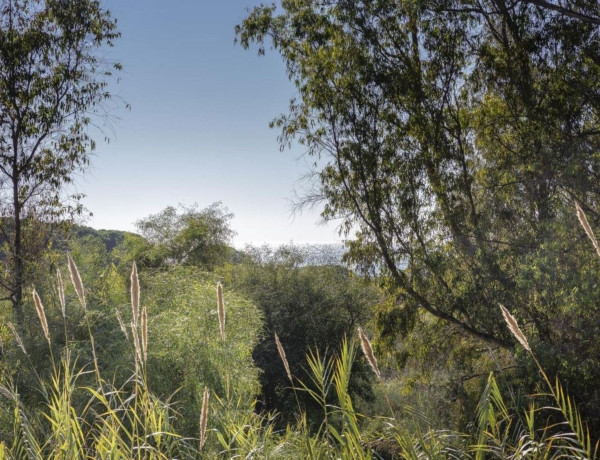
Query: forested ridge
456	143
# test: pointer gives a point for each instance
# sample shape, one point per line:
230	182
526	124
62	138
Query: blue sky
197	131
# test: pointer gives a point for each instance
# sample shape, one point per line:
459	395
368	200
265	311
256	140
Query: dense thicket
312	309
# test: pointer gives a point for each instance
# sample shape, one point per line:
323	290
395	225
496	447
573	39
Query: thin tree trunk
17	294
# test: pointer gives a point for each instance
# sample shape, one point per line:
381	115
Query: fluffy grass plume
514	328
368	351
283	358
39	308
135	294
204	417
61	293
121	323
76	280
586	226
145	334
16	336
221	310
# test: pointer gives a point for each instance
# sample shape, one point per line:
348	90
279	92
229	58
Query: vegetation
459	139
456	138
51	81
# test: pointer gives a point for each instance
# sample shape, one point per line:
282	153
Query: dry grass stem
61	294
368	351
39	308
586	226
221	310
204	417
136	343
121	323
135	294
144	334
76	280
514	328
17	337
283	358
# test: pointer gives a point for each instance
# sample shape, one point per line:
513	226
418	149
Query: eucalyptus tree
455	138
53	80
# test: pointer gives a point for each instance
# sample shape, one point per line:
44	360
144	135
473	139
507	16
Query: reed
121	323
76	280
17	337
368	351
221	310
39	308
61	294
135	294
515	329
283	358
204	417
144	334
587	228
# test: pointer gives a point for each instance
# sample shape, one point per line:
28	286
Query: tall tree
52	79
187	236
456	137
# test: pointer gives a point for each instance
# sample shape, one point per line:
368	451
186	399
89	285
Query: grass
86	416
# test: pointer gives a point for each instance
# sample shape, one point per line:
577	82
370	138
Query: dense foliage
311	309
455	140
456	137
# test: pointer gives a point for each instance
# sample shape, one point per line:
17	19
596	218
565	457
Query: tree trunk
17	294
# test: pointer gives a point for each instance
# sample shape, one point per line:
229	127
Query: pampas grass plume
135	294
586	226
221	310
204	417
121	323
17	337
145	334
514	328
368	351
283	358
76	280
61	293
39	308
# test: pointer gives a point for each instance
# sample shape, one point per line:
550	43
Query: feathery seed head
514	328
368	351
586	226
17	337
221	310
76	280
145	334
61	293
135	294
121	323
283	358
39	308
204	417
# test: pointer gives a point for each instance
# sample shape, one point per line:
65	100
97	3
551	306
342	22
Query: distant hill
111	238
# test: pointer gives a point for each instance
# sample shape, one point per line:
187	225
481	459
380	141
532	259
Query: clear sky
197	131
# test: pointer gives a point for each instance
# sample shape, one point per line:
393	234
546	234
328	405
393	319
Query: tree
52	79
189	236
456	137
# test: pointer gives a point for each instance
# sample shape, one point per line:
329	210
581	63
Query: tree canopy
185	236
456	137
